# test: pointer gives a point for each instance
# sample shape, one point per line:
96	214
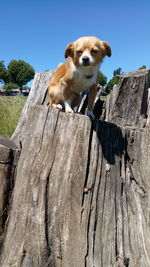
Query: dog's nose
86	60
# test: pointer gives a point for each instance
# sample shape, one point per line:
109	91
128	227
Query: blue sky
38	31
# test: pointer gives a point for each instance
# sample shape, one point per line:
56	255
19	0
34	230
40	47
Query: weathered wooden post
82	190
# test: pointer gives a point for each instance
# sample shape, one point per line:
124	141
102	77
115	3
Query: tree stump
82	189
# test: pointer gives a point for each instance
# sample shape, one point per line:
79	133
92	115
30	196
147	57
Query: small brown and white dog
78	73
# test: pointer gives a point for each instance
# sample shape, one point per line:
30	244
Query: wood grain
82	190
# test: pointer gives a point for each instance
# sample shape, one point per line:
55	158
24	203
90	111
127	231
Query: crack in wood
88	163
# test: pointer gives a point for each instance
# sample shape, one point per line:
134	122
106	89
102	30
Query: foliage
9	86
114	79
2	70
111	83
3	73
18	72
102	79
143	67
10	110
117	72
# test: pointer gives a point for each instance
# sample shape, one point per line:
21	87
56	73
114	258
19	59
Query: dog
78	73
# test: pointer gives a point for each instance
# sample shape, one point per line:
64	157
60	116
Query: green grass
10	111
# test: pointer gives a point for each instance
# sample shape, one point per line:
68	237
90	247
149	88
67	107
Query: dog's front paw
91	115
69	110
58	106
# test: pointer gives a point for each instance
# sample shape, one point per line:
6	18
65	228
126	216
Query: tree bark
129	103
9	155
82	190
38	96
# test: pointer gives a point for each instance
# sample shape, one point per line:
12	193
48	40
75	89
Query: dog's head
88	51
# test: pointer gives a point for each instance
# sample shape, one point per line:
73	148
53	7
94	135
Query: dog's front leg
68	107
66	95
72	102
91	99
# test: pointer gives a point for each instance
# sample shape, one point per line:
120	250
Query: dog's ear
106	48
69	50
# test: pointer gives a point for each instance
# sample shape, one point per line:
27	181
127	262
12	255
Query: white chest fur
84	77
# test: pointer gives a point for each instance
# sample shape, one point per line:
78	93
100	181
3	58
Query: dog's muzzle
86	61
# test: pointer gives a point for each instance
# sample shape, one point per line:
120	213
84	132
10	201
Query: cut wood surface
82	190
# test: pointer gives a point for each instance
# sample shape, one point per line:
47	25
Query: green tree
4	76
102	79
114	79
143	67
20	72
117	72
111	83
9	86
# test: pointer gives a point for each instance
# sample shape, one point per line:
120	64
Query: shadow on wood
111	140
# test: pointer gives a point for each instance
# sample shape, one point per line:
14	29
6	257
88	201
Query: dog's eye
94	51
79	52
